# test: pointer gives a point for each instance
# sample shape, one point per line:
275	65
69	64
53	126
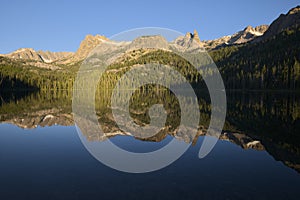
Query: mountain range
90	42
256	58
52	60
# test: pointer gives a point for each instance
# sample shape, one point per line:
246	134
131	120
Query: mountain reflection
262	121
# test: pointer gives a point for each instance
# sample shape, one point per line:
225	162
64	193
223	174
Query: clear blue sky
60	25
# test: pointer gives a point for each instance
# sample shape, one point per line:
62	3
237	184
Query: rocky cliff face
156	41
248	34
189	41
86	46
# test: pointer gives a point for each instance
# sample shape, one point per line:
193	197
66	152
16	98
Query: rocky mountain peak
248	34
87	45
196	36
189	41
192	36
154	41
248	28
188	35
262	28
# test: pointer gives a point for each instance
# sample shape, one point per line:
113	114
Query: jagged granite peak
190	41
248	34
87	45
192	36
188	35
284	21
196	36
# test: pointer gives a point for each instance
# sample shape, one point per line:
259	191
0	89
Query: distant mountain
40	56
50	60
246	35
41	59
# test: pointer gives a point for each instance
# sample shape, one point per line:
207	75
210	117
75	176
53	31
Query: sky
60	25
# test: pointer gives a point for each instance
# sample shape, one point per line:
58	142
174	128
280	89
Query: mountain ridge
52	60
40	55
284	21
248	34
90	42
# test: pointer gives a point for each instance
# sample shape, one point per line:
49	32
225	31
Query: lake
256	157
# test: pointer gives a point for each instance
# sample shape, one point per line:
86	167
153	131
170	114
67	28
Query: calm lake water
256	157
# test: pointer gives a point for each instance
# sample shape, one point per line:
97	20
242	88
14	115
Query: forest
273	64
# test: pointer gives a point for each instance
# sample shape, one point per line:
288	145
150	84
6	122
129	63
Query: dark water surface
42	157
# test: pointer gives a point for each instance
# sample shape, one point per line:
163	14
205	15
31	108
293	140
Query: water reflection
262	121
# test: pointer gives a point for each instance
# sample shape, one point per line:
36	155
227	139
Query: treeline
16	75
115	71
271	64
